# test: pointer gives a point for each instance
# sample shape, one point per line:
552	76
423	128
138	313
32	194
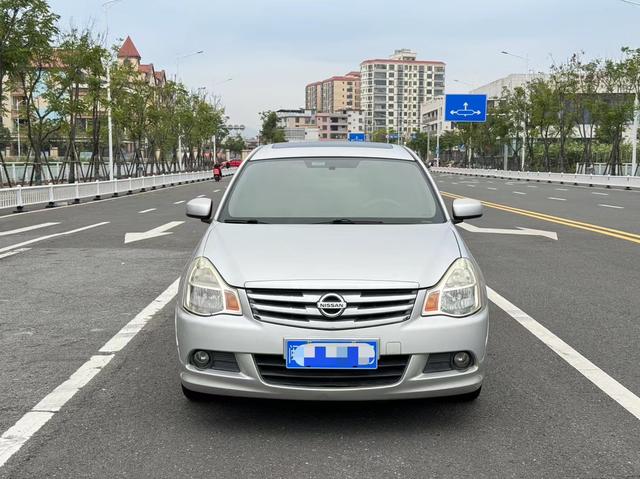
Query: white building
494	89
296	122
355	121
432	116
392	91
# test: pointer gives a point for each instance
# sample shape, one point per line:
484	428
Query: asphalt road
538	415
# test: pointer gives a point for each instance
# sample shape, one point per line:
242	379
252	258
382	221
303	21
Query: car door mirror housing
466	209
200	208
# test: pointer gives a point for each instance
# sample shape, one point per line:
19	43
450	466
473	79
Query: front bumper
416	337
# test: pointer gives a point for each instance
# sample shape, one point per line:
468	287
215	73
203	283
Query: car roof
329	149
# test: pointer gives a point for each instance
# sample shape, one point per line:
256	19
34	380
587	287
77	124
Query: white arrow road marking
501	231
27	228
153	233
17	435
15	251
55	235
146	211
593	373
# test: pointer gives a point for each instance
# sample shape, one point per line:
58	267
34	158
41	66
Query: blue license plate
331	354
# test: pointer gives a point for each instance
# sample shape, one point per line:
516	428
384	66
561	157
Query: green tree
270	131
421	144
26	29
235	143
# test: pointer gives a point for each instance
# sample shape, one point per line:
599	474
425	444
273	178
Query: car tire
469	397
195	396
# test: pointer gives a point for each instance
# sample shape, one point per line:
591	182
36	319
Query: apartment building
393	90
334	94
432	117
333	126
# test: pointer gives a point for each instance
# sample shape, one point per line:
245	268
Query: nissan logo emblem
331	305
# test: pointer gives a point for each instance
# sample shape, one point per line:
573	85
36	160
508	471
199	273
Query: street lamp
178	58
106	6
524	133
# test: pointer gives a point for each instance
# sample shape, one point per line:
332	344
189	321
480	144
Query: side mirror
466	209
200	208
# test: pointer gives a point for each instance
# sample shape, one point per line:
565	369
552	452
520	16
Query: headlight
206	293
457	293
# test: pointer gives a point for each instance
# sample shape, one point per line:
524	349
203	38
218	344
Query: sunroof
332	144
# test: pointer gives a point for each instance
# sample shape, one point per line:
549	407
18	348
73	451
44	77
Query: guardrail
22	196
608	181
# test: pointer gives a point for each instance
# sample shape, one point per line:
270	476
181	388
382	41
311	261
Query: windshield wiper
347	221
247	222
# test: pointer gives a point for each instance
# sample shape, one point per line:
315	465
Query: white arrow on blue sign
465	108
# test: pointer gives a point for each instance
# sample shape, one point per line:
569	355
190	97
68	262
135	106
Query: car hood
337	256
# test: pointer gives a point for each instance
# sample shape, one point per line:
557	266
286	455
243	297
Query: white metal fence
22	196
573	178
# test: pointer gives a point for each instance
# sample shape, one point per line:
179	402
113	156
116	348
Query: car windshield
332	190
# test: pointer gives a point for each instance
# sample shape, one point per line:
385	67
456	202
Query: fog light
461	360
201	359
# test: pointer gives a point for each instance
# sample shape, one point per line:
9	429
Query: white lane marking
518	193
561	189
490	188
27	228
531	186
520	231
178	202
17	435
55	235
593	373
216	191
199	196
122	337
152	233
612	206
454	182
601	194
146	211
471	186
15	251
556	199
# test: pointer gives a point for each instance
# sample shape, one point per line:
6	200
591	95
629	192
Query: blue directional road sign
356	137
465	108
392	136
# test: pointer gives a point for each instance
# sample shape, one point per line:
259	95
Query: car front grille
364	307
273	370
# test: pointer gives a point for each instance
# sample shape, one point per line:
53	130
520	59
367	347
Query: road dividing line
200	196
593	373
556	199
518	193
561	189
531	186
27	228
601	194
490	188
216	191
471	186
15	251
17	435
624	235
133	327
55	235
612	206
146	211
178	202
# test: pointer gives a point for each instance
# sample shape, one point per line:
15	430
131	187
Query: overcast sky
272	48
